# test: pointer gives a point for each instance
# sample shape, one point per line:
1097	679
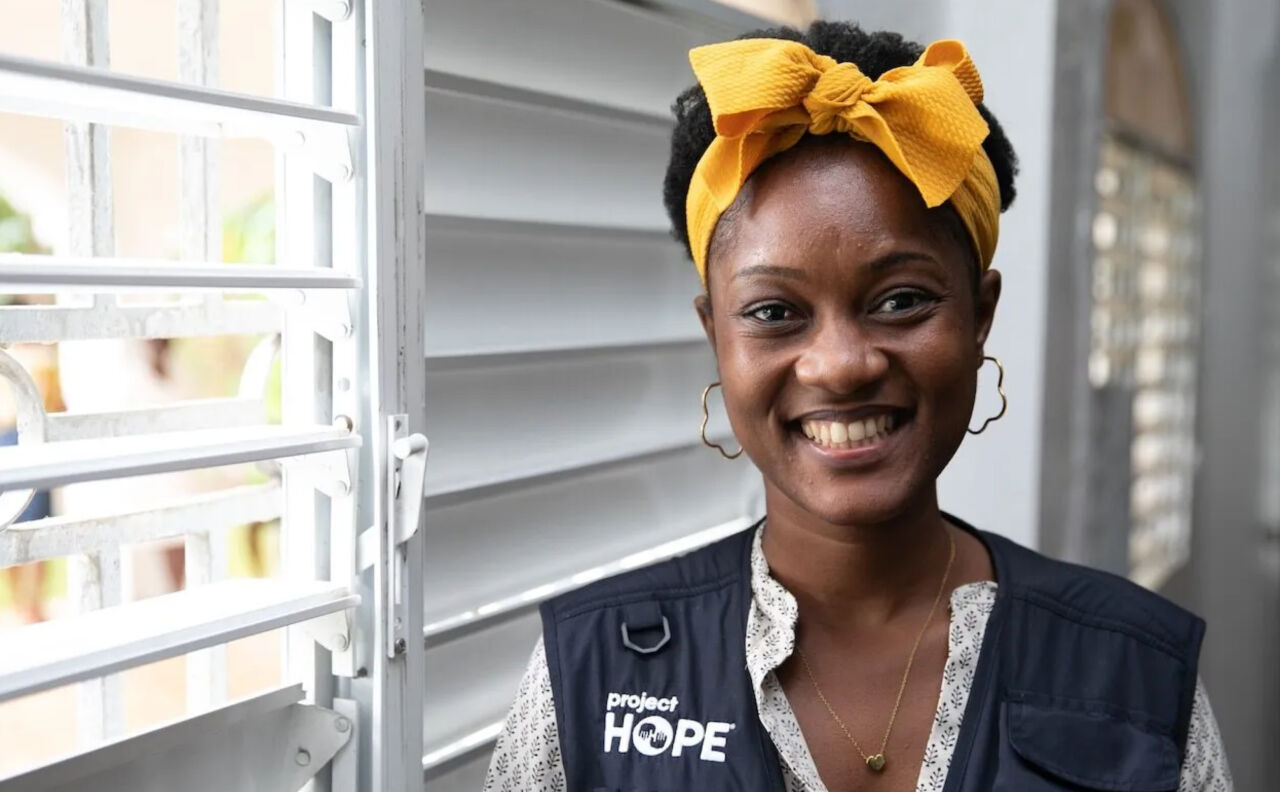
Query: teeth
833	434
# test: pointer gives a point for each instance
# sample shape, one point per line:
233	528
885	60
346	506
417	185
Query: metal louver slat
563	417
49	654
33	87
44	465
60	273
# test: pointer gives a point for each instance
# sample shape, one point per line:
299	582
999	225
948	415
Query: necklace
877	760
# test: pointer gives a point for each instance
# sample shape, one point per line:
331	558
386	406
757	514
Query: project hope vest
1085	681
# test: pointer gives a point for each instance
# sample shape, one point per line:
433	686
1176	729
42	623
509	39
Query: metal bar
450	491
492	225
444	82
55	464
390	89
42	324
180	416
447	757
55	537
61	273
302	206
35	87
200	223
465	623
93	580
446	360
344	243
59	652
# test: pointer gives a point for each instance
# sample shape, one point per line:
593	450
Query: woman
839	193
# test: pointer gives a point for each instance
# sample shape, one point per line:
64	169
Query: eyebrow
877	265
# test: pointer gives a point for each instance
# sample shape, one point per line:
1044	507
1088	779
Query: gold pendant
876	763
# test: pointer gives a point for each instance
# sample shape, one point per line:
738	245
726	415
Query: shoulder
1090	596
707	568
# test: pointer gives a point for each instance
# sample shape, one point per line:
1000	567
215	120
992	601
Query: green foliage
249	233
16	234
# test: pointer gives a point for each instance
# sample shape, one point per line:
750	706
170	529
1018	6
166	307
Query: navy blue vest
1085	681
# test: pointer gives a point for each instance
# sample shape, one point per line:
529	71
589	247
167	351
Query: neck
856	575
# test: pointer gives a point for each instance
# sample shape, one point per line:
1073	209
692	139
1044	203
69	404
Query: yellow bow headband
765	94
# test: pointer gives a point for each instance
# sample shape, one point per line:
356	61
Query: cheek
751	376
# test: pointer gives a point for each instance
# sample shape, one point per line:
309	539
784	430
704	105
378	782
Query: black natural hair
874	54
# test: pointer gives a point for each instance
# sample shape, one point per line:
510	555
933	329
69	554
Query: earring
1004	400
702	430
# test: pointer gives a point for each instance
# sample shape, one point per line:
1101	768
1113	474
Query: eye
903	301
770	313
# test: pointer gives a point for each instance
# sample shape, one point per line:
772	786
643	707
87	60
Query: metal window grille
346	468
1145	336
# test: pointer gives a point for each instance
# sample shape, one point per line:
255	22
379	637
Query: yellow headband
765	94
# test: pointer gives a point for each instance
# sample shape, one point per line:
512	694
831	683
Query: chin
857	505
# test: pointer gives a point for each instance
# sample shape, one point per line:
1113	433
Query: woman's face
847	330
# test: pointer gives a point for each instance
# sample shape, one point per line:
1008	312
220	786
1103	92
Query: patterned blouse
527	755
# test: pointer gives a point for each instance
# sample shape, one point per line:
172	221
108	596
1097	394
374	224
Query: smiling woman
839	193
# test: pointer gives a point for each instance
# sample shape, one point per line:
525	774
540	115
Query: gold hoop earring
702	430
1004	400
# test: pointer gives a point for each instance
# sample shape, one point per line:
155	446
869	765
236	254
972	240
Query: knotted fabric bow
765	94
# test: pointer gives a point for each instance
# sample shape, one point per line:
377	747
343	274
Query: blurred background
1139	326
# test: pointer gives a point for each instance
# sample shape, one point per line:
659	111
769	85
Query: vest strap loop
641	617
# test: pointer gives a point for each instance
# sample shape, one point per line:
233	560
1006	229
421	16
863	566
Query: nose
841	359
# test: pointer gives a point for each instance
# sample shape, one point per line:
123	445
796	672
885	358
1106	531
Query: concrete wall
1233	51
994	480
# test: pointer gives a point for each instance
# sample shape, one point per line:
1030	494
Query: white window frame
352	233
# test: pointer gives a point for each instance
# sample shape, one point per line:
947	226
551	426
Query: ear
702	304
987	298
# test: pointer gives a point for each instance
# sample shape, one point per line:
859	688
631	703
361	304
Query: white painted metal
407	470
41	324
29	409
45	655
480	739
391	329
345	774
269	742
469	621
55	537
34	87
55	464
36	274
200	234
334	314
175	417
564	361
93	580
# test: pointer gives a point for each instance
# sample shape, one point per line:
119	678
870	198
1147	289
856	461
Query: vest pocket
1088	749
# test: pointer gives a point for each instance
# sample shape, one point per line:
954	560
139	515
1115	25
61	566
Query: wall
994	480
1233	49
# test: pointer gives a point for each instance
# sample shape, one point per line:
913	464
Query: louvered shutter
564	360
344	464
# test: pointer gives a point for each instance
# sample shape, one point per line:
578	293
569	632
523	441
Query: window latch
406	480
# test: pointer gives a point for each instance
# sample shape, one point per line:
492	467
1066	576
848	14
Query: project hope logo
654	735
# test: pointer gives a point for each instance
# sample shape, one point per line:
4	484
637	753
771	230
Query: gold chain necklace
877	760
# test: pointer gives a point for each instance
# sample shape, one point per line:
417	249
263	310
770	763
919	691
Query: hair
846	42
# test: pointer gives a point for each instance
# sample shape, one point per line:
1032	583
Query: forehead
829	199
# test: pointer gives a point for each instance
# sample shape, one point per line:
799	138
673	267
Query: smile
859	433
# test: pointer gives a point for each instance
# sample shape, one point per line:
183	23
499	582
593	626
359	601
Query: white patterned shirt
527	755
